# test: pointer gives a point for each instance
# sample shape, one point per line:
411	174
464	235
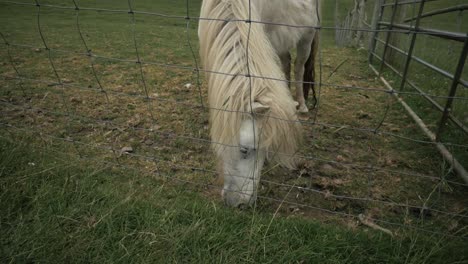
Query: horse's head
242	165
242	141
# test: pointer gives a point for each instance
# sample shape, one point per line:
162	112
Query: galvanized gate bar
453	89
428	31
408	2
411	48
390	27
426	64
439	12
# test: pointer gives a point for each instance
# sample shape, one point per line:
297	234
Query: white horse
252	119
277	14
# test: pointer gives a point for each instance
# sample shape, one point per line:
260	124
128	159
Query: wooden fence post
376	18
350	34
361	16
338	24
396	38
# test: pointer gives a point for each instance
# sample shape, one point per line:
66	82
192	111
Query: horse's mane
223	47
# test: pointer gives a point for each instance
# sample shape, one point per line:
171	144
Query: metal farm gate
393	36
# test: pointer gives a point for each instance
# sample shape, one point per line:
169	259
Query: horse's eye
244	150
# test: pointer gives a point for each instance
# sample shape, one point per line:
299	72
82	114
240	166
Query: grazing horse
252	119
277	14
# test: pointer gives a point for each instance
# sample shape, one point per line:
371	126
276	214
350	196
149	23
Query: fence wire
8	124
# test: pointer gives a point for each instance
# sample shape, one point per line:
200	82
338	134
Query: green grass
62	209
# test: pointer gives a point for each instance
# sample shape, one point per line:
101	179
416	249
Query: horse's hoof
303	109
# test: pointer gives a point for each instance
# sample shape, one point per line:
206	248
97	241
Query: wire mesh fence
121	84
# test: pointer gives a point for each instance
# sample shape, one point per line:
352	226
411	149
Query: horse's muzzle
237	200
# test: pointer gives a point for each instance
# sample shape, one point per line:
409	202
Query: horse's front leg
303	52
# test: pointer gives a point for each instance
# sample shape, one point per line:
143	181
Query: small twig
272	168
340	128
25	177
424	207
67	218
336	69
147	233
365	221
123	246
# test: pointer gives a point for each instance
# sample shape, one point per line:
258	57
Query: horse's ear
259	108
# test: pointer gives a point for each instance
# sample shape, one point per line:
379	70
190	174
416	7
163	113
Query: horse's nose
231	199
242	206
234	199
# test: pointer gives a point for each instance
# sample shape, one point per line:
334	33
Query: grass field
69	194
